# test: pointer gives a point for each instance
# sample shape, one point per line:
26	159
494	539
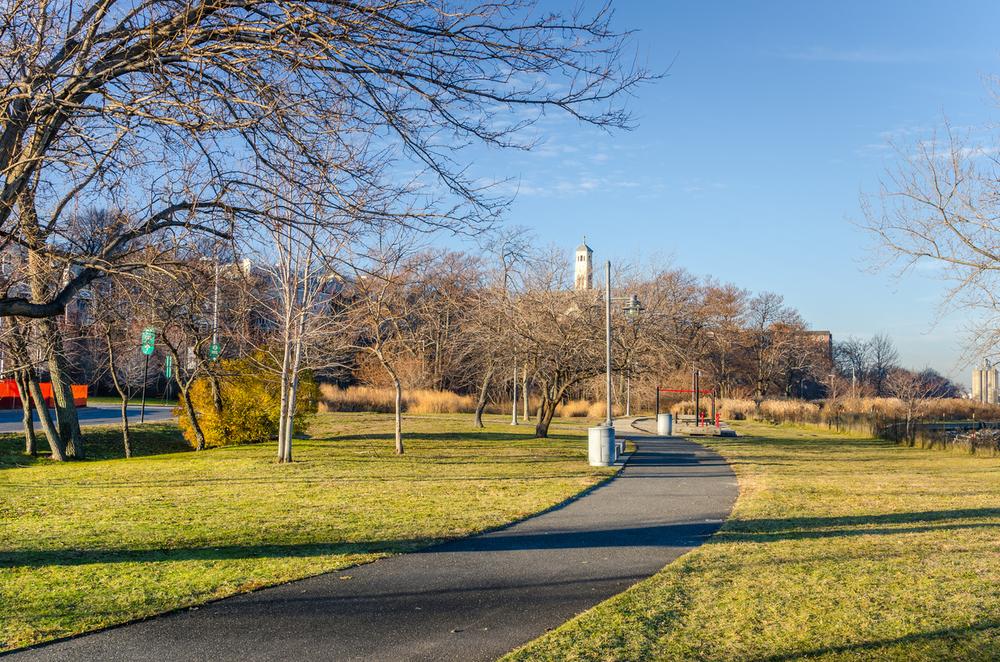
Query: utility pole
609	421
697	396
145	378
215	306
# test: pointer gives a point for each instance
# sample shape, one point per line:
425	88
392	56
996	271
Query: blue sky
751	155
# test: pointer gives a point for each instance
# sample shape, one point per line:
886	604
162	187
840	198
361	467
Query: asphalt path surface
471	599
10	419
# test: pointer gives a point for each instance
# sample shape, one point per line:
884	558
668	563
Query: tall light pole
601	447
632	309
215	306
608	421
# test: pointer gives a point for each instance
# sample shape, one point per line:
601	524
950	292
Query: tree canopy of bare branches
184	113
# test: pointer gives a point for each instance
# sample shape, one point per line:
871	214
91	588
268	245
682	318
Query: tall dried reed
382	400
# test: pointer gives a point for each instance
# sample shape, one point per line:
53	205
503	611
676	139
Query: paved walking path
471	599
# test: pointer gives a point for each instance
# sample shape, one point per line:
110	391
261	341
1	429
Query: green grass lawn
90	544
839	548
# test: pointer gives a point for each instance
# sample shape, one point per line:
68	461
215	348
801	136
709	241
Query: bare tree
939	205
30	391
727	312
490	324
912	390
883	360
853	359
294	288
560	334
112	327
178	111
773	331
179	306
380	311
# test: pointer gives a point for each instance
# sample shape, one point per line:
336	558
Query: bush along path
471	599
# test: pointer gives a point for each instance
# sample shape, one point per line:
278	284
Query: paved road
10	419
472	599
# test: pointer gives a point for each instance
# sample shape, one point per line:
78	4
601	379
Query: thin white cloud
860	55
695	186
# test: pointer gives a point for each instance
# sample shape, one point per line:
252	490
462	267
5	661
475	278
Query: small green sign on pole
214	351
148	340
168	367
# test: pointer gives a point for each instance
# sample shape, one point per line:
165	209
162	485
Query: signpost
214	351
168	372
147	345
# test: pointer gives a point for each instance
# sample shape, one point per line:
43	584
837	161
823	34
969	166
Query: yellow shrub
251	405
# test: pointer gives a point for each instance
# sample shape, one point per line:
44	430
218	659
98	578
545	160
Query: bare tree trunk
524	393
30	440
294	387
185	393
126	438
122	393
546	410
55	441
399	414
34	392
40	277
483	390
549	399
283	411
289	422
62	392
216	392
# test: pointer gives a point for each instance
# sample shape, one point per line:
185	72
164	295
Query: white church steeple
583	268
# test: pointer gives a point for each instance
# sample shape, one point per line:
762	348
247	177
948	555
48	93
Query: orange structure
10	397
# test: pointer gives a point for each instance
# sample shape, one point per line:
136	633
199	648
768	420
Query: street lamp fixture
633	308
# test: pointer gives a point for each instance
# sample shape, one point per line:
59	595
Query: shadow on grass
43	558
668	535
483	436
264	480
991	651
770	530
101	443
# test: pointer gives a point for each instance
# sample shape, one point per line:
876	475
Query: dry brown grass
820	412
381	400
427	401
574	409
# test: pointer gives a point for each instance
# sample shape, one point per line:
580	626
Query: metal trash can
664	425
601	446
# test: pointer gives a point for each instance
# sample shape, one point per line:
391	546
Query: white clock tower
584	267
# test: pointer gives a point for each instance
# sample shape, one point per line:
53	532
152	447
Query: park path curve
470	599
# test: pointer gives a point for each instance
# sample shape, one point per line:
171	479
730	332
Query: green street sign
148	340
168	366
214	351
